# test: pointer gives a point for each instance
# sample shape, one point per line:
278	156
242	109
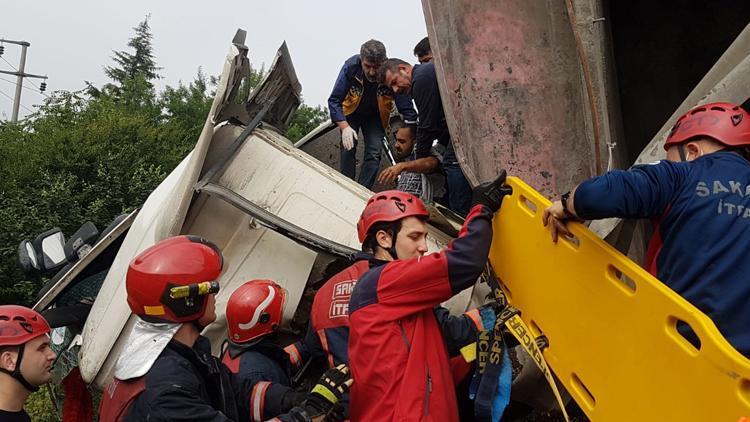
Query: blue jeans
459	189
373	133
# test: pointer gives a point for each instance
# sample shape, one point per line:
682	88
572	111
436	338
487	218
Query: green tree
78	160
133	73
184	108
140	62
305	119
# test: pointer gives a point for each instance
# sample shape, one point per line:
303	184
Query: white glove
348	135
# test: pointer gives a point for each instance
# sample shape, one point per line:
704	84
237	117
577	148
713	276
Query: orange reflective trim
324	343
258	399
294	356
476	318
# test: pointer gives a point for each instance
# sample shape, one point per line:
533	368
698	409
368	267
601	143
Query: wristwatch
564	200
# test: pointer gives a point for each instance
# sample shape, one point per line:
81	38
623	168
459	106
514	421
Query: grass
39	406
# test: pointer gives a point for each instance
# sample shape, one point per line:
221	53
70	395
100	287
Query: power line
9	64
21	74
24	87
38	90
11	99
37	87
30	81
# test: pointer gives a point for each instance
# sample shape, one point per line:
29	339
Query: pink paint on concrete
511	89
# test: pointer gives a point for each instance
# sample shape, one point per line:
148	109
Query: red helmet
19	325
387	206
727	123
254	309
169	281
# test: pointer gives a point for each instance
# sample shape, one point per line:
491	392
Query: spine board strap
522	333
490	348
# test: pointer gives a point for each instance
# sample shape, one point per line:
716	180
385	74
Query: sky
72	40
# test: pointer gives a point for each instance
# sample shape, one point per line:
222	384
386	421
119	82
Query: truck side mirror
50	249
27	257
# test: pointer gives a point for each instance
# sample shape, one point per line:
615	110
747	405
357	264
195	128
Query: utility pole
20	75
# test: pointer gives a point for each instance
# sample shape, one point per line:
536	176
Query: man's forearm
458	330
421	165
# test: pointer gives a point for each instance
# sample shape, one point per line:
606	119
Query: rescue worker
420	177
397	351
327	335
422	51
421	82
700	200
25	359
358	101
167	372
254	313
328	332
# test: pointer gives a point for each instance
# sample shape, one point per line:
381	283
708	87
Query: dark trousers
373	133
459	189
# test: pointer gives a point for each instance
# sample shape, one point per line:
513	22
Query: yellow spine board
611	326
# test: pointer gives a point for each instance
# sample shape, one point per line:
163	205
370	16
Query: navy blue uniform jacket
189	384
703	208
264	368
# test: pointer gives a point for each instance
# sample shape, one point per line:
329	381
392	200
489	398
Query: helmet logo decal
698	121
401	206
259	310
736	119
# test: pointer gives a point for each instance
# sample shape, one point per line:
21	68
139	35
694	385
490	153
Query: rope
587	79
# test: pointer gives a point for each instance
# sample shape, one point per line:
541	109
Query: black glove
326	394
491	194
292	398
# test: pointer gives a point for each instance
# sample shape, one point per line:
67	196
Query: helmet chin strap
392	250
16	373
198	326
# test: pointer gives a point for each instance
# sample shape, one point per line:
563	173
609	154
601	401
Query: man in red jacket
397	352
